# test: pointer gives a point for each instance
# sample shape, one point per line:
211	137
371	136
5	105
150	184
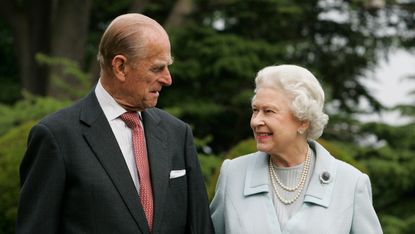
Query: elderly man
113	163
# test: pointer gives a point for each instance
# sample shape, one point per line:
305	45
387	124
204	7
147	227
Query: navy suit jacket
74	178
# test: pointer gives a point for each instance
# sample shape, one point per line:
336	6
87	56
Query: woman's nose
257	120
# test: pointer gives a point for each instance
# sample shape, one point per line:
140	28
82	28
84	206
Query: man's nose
166	79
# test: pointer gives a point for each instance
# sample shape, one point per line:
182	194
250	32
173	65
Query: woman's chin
261	147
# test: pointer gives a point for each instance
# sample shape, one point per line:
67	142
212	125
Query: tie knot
131	119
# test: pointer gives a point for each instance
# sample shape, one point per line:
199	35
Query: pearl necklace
299	187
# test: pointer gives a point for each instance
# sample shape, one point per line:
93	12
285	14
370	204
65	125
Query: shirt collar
111	108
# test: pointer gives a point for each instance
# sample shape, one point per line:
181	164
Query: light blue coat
343	204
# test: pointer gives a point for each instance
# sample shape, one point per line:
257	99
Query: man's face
145	78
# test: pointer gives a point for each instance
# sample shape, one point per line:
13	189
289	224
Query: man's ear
119	63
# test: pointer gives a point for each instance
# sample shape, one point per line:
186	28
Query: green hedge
12	147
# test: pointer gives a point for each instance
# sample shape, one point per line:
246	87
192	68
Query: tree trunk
68	40
30	26
137	6
177	15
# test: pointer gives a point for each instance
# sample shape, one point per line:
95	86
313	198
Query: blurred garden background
48	61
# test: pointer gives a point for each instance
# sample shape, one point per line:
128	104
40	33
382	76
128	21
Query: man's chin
150	104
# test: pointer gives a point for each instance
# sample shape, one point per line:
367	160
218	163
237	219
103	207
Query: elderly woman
292	184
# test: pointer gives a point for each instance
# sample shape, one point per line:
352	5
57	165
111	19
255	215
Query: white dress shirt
123	134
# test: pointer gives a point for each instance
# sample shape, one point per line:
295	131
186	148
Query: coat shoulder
239	165
344	168
163	115
246	159
62	117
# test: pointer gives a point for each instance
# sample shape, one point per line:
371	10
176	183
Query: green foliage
344	152
9	84
217	54
393	225
12	147
244	147
34	107
407	110
390	162
223	44
397	165
329	47
209	165
213	80
15	123
30	108
399	137
81	83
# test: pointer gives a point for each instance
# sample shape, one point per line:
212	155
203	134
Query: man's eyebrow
171	60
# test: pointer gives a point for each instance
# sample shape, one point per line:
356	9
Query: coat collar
256	179
157	151
319	191
109	154
98	134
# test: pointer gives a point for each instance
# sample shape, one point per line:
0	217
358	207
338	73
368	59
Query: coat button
325	177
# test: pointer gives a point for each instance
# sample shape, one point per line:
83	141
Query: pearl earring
300	131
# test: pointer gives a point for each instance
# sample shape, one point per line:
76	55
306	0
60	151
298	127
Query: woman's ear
303	127
119	63
306	124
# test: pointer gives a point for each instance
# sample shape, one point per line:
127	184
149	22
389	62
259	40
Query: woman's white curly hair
304	91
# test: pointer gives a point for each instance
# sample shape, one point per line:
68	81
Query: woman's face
272	122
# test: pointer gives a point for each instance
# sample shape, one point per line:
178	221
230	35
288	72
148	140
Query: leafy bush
244	147
30	108
343	152
395	225
12	147
15	123
67	80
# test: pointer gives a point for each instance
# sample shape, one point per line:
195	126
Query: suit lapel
101	139
256	179
156	140
318	192
257	182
